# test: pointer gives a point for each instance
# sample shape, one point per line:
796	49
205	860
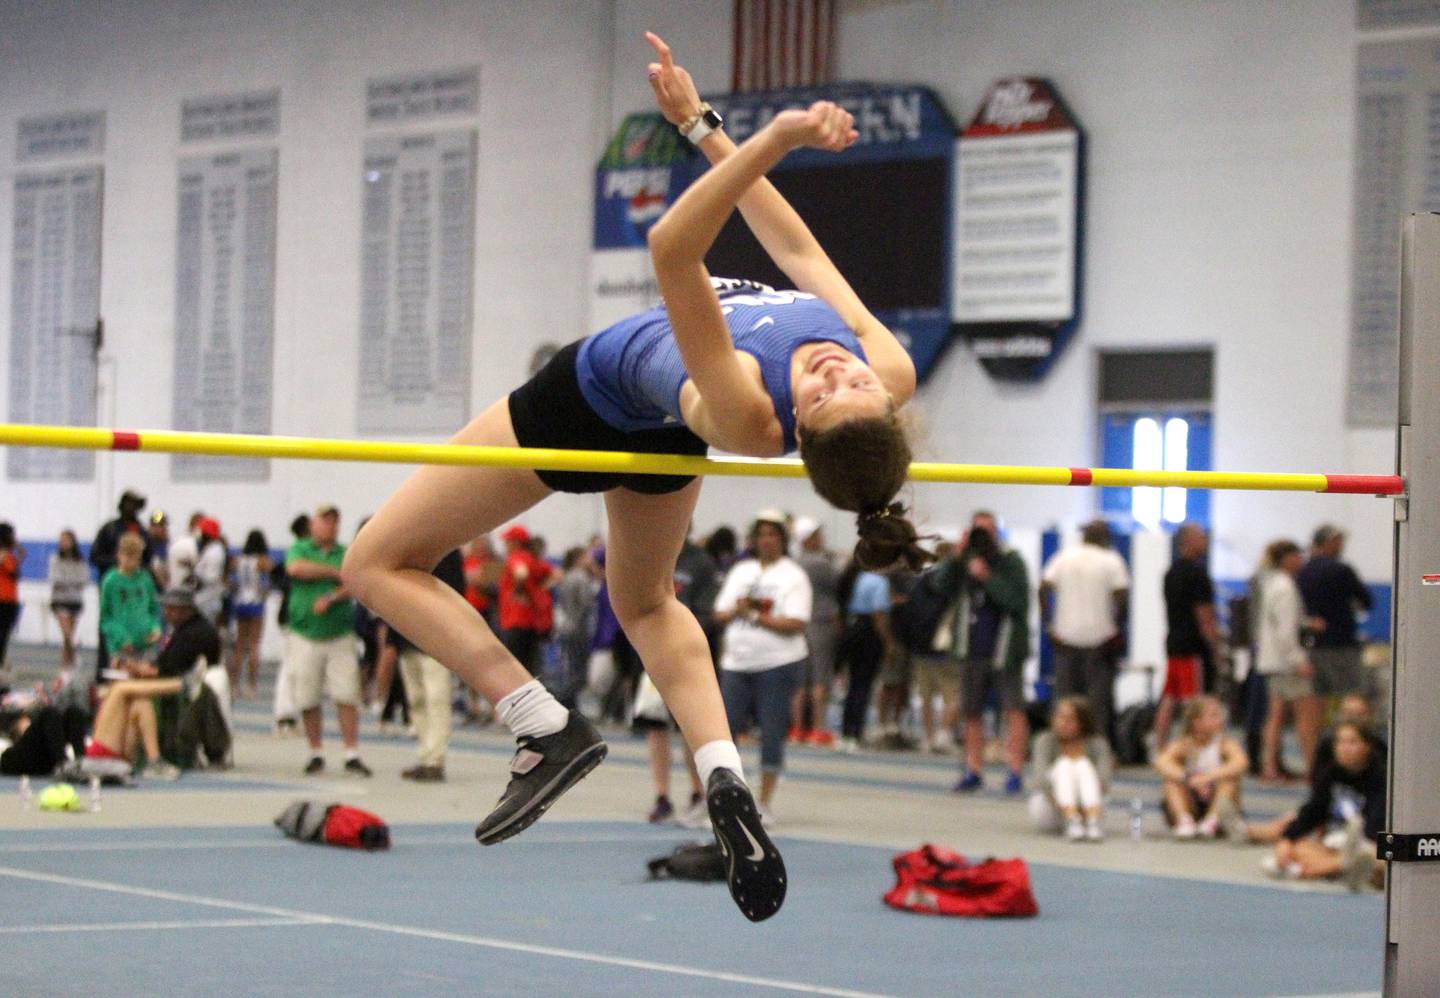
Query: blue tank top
631	373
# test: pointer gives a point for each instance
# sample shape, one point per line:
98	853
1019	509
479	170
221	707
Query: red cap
516	533
208	527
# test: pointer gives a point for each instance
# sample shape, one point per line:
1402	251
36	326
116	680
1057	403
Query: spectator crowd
810	650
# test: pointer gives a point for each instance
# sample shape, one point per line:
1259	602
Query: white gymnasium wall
1219	214
1219	205
544	114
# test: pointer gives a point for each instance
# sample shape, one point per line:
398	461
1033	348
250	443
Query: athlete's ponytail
859	465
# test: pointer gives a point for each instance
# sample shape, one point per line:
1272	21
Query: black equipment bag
693	861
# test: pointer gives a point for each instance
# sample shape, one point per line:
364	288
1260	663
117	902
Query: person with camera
990	635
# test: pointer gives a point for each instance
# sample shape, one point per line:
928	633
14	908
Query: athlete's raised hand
823	125
675	92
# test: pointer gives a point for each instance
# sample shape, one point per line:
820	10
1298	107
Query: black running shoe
315	765
357	768
542	770
754	869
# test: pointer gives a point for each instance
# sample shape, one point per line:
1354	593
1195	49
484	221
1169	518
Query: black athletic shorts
550	411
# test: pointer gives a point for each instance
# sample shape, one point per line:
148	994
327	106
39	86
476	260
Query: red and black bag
334	824
355	829
936	881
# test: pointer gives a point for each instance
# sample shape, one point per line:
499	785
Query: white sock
719	754
531	712
351	754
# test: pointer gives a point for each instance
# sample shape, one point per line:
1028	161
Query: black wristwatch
705	120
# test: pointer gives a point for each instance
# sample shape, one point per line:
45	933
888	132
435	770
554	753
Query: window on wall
1155	416
1160	444
1157	440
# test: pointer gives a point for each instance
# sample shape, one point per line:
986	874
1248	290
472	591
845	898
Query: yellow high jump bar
545	459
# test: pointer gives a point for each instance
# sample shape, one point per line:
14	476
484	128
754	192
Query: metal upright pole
1412	839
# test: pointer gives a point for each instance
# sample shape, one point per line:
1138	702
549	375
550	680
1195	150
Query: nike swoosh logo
769	320
756	853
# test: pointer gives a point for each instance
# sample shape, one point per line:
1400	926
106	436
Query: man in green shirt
320	650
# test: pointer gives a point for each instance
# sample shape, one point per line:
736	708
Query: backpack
333	824
693	861
202	728
916	621
933	880
1131	726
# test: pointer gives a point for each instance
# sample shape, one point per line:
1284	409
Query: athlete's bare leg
127	716
646	534
437	510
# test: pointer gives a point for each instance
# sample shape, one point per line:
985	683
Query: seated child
125	723
1202	770
1073	767
1335	830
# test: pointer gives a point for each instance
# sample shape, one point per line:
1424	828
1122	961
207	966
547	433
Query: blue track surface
239	911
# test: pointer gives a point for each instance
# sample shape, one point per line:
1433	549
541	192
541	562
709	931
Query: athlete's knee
356	571
634	608
363	564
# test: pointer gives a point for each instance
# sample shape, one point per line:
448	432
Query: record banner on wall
417	267
54	314
225	306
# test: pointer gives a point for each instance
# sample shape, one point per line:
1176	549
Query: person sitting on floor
41	740
1353	707
190	637
126	722
1335	831
1073	767
1202	770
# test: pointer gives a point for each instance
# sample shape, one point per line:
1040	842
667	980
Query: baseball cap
806	527
131	496
772	515
179	596
208	527
516	533
327	509
158	518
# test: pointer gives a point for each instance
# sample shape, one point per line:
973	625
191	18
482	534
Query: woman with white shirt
210	580
764	606
1281	659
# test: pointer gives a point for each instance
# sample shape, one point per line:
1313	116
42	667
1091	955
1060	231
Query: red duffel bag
355	829
936	881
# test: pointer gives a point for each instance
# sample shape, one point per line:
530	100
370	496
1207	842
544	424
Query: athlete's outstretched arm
682	237
783	233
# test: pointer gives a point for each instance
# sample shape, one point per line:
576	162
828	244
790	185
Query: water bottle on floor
26	794
94	793
1137	818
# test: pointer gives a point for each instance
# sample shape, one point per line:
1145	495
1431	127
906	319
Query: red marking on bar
1081	476
125	440
1365	485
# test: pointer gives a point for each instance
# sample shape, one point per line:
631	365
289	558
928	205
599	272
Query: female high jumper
733	365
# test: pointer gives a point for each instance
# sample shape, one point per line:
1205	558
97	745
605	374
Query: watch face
712	118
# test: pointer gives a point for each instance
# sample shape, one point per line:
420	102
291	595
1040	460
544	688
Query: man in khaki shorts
320	650
938	674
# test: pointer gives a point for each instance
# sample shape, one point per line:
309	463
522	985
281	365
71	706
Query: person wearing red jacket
524	600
